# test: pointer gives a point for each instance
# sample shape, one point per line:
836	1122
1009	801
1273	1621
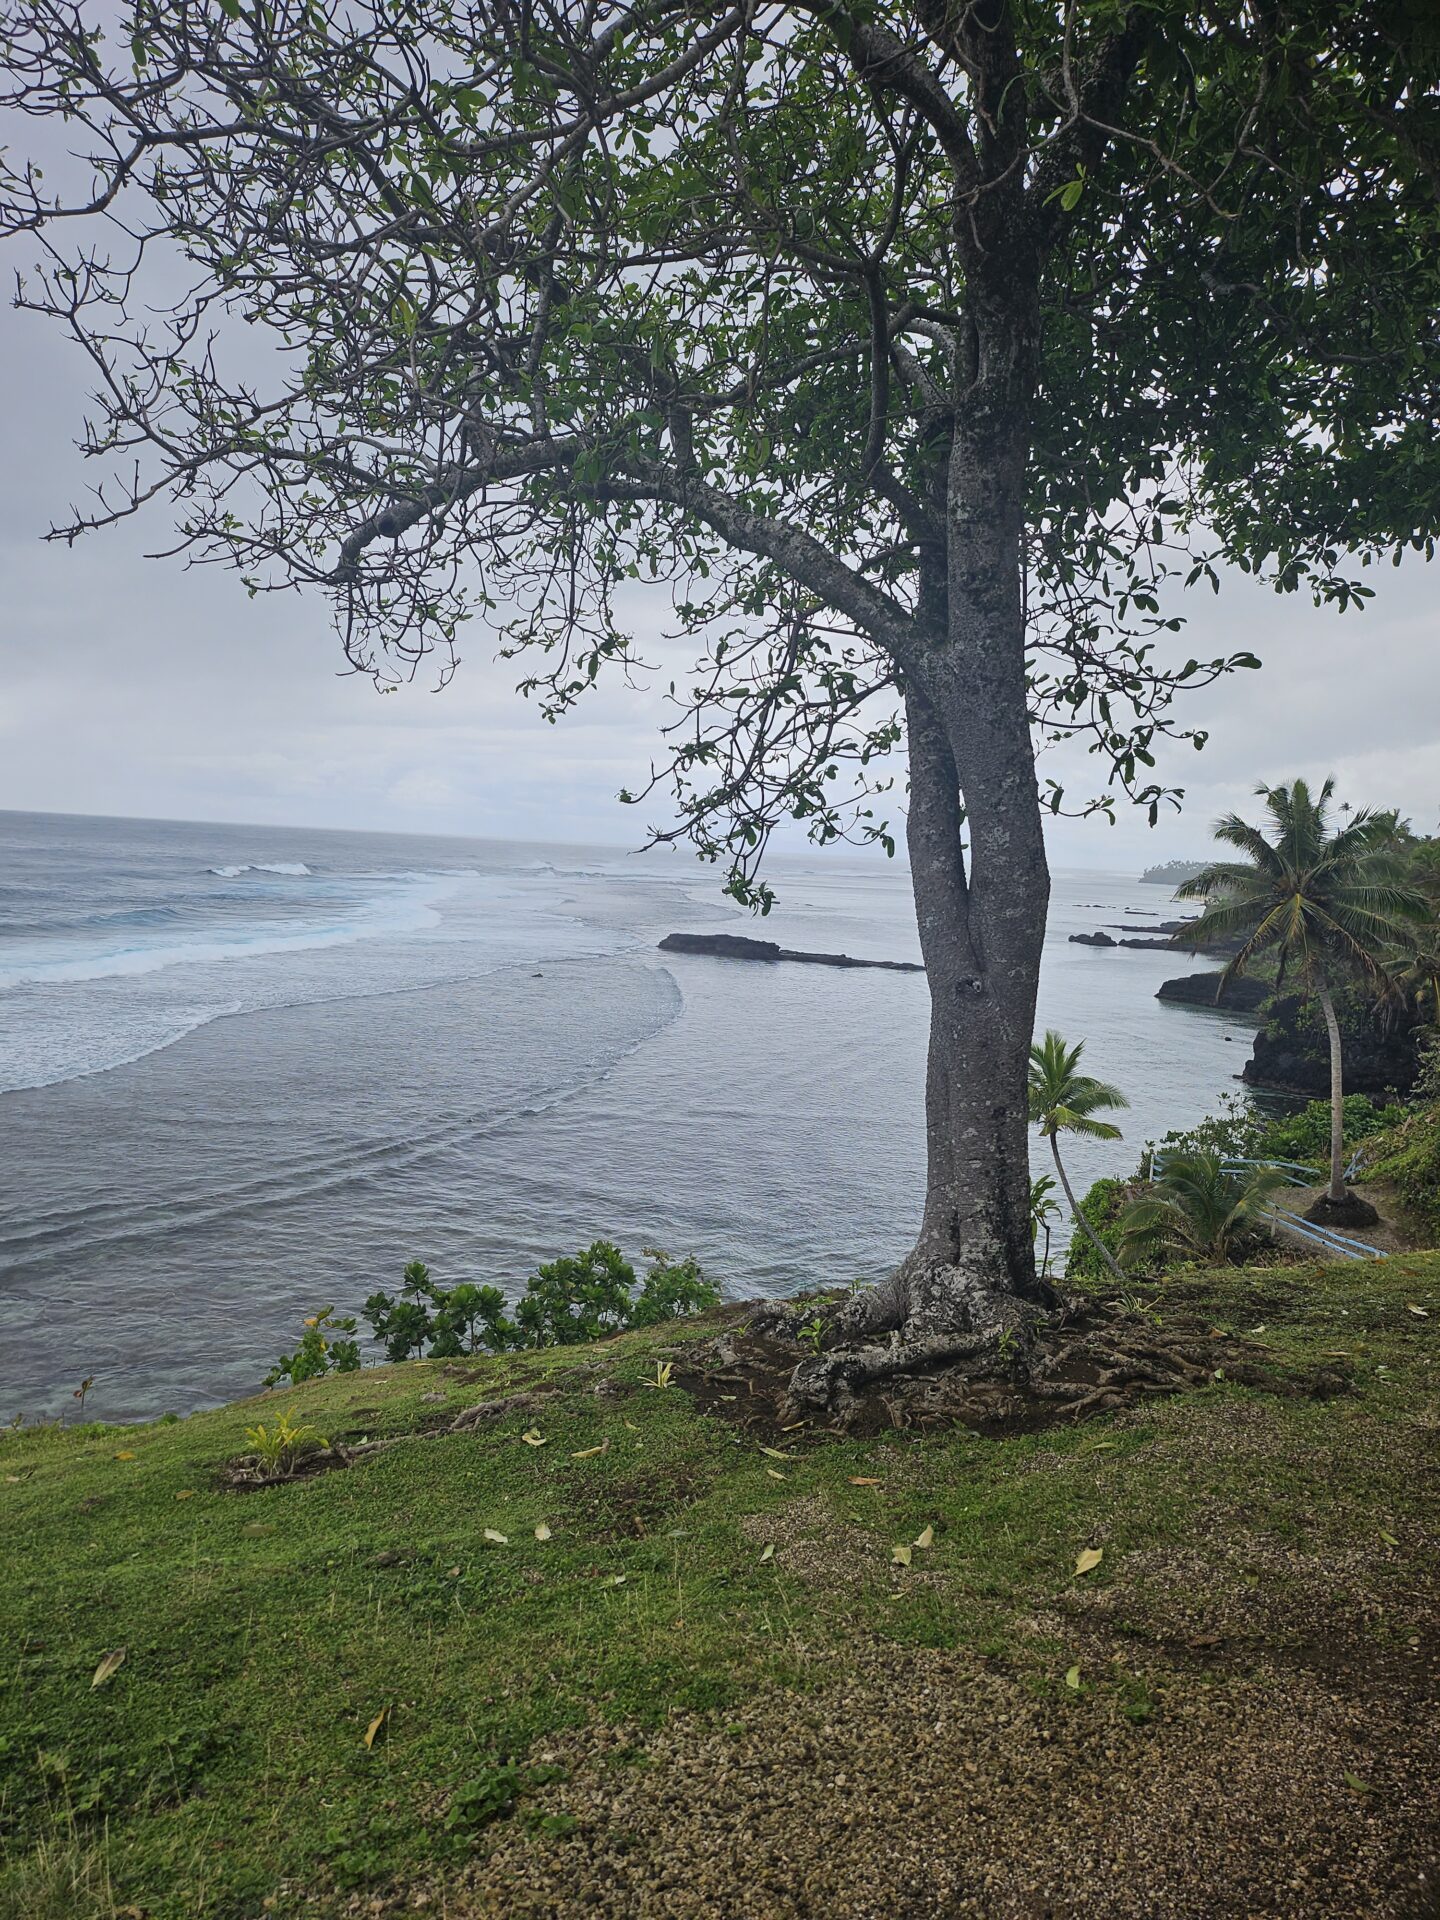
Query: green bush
1102	1207
1408	1156
1232	1133
1305	1134
579	1297
319	1352
1241	1132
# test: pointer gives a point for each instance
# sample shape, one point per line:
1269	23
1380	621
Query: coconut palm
1064	1100
1197	1209
1327	906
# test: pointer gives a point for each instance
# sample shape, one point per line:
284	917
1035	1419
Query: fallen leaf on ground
1088	1559
588	1453
373	1731
125	1454
452	1573
926	1538
900	1556
1356	1784
108	1667
1388	1538
775	1474
500	1539
542	1532
1420	1313
614	1580
768	1554
1072	1679
186	1493
632	1426
775	1453
795	1426
533	1437
864	1480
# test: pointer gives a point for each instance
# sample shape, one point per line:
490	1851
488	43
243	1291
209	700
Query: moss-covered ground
545	1627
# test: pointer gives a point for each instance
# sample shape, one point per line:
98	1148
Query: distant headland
1171	873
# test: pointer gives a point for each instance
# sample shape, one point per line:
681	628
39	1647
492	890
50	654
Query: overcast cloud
135	687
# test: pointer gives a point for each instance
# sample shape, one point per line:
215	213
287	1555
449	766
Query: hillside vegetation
607	1653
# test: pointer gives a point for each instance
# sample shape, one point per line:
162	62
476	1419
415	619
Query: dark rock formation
1159	946
1292	1051
1198	990
737	946
1094	940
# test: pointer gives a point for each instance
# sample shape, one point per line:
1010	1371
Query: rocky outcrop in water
737	946
1198	990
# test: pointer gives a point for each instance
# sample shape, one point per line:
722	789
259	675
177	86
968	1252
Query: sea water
248	1072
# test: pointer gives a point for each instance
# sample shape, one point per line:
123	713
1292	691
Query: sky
132	686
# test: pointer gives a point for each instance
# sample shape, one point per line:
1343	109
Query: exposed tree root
1024	1370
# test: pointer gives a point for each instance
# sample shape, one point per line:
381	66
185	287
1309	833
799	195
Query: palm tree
1197	1209
1326	905
1063	1100
1041	1208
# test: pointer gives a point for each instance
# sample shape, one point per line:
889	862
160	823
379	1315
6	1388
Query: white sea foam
295	868
407	908
44	1051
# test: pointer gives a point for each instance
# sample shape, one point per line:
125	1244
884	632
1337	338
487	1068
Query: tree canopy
569	294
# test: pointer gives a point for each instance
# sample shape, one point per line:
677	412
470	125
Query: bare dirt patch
1090	1358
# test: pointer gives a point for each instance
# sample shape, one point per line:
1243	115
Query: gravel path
929	1784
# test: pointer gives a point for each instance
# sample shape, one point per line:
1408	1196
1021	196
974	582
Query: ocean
246	1072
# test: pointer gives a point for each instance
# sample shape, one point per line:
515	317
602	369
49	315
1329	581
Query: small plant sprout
80	1392
278	1448
663	1370
813	1334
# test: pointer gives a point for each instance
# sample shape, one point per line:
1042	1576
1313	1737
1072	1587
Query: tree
1416	962
916	347
1064	1100
1042	1210
1324	905
1198	1209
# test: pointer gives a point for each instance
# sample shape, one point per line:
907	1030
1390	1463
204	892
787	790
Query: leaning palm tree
1198	1209
1064	1100
1328	907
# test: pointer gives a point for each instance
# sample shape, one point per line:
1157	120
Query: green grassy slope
224	1763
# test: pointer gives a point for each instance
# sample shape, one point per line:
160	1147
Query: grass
224	1763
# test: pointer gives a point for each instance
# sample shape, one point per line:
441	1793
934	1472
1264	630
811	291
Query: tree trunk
1079	1218
981	927
977	856
1337	1098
